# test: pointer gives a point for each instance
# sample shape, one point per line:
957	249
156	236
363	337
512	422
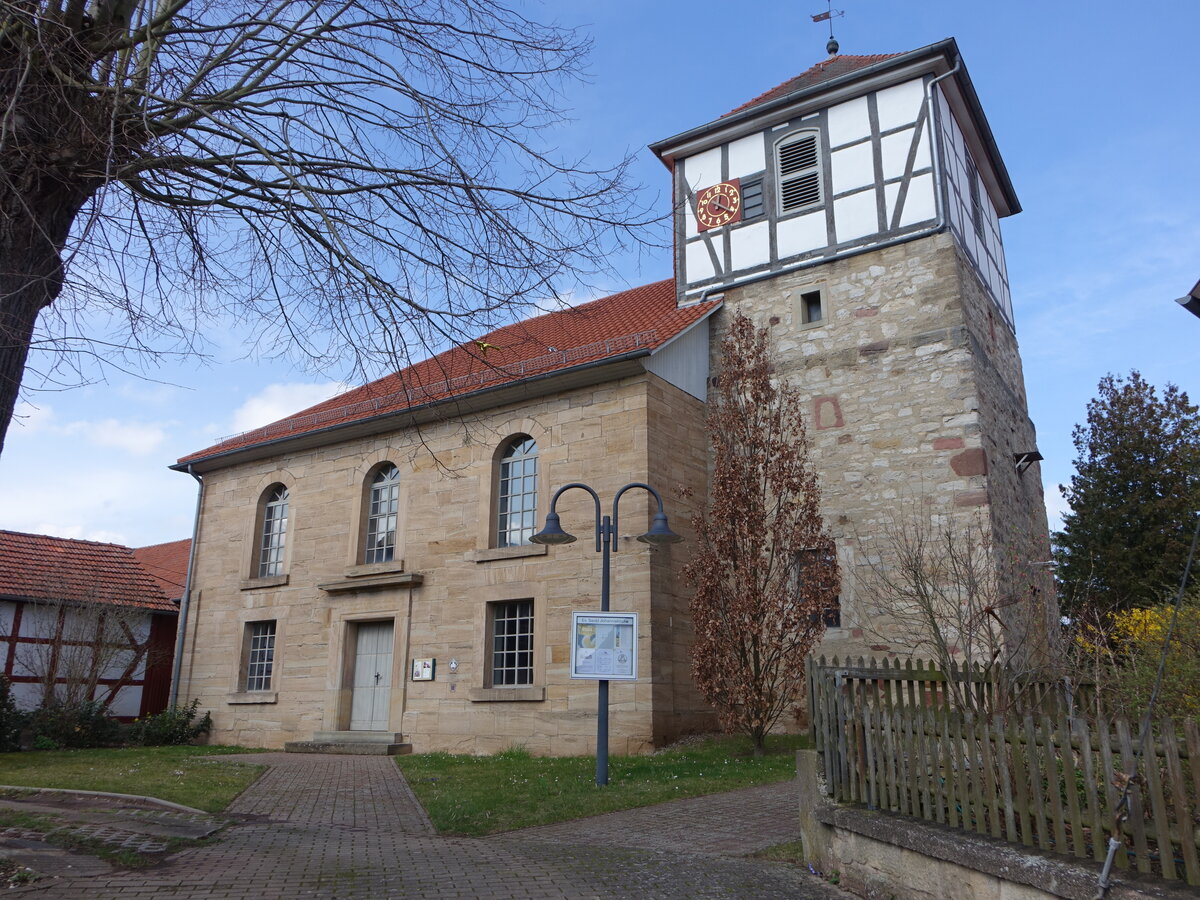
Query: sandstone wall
597	435
911	411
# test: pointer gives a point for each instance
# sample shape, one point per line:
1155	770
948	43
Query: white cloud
132	437
277	401
29	418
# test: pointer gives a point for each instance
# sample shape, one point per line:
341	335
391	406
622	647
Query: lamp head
660	532
553	533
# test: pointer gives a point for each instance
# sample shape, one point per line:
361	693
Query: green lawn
486	794
193	776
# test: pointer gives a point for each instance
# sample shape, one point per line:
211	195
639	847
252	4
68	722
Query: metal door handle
377	677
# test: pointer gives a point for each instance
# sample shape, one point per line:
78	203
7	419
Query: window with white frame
260	655
516	493
511	637
798	170
382	510
274	532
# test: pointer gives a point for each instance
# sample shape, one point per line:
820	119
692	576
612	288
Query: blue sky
1095	109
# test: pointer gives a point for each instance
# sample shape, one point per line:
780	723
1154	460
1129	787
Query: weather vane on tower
828	16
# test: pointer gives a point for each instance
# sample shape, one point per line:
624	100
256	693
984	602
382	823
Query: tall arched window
382	514
516	500
274	532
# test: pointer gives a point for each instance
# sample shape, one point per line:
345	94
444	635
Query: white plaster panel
747	156
7	612
919	204
27	696
895	152
38	620
689	221
703	169
698	262
848	121
750	245
852	168
801	233
900	105
116	663
855	216
139	627
128	701
31	659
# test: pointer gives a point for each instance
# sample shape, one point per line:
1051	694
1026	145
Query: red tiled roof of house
825	70
641	318
40	567
166	564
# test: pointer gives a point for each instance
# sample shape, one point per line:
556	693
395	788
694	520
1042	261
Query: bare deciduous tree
84	651
350	180
937	586
764	570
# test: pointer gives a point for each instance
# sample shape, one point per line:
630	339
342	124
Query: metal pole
602	696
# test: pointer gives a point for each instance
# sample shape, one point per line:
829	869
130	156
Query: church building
363	575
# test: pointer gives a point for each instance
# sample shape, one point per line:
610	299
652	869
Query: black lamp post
606	529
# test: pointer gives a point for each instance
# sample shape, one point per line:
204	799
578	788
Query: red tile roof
642	318
826	70
166	564
39	567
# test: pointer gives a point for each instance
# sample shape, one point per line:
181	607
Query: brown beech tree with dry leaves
352	182
765	570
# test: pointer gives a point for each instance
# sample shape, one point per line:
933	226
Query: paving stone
343	827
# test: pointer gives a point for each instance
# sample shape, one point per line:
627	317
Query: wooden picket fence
1041	777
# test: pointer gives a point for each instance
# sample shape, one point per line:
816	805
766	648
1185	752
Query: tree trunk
34	225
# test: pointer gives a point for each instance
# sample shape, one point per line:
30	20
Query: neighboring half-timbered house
81	620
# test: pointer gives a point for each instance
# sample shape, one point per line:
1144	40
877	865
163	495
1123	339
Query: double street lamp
660	533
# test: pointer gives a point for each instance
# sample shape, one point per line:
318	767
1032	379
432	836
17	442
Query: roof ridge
55	537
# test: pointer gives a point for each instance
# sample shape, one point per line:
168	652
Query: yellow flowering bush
1137	636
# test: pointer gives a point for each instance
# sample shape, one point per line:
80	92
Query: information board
604	646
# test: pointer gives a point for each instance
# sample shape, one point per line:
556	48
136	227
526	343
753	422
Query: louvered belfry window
799	172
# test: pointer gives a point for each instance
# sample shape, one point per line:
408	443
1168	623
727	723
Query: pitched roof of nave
633	322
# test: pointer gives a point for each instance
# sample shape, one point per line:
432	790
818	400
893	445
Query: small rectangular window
752	199
811	311
831	615
260	655
511	651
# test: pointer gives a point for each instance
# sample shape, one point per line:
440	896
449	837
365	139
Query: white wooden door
372	677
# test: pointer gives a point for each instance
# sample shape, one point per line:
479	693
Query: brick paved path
349	827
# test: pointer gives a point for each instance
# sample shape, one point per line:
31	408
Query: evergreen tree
1133	498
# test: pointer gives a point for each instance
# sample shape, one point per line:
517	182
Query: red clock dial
719	205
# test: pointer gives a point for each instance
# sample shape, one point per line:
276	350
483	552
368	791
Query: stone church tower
855	211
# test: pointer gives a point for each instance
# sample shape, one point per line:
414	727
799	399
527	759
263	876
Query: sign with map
604	646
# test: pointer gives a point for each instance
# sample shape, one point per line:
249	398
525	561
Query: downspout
938	225
185	600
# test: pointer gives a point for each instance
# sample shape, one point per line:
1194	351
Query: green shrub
85	724
174	725
12	720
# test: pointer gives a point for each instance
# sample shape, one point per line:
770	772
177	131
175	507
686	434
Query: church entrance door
372	686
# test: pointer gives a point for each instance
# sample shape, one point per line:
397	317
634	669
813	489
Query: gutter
185	600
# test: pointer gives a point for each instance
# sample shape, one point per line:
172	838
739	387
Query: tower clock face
719	205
